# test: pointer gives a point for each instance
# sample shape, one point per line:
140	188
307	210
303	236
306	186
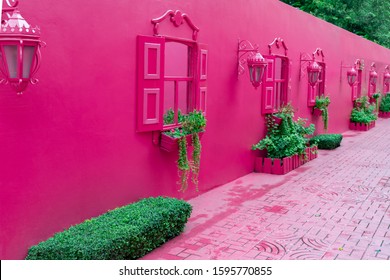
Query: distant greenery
367	18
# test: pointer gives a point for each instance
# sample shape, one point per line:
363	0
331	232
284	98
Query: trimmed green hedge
326	141
129	232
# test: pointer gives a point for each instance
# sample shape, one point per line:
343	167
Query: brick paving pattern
334	207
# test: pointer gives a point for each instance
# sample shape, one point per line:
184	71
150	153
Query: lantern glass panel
258	74
11	53
251	73
351	79
313	76
28	57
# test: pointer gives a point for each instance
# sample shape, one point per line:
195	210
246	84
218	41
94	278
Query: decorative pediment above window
177	18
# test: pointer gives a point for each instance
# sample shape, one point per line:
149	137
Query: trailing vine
183	164
322	103
195	165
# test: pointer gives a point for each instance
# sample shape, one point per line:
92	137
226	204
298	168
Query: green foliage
367	18
326	141
363	112
169	117
385	103
322	103
286	139
125	233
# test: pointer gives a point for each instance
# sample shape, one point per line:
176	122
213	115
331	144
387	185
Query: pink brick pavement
334	207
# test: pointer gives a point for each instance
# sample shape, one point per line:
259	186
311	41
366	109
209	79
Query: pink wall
68	146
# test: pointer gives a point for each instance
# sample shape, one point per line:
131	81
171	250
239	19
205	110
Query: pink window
275	83
172	81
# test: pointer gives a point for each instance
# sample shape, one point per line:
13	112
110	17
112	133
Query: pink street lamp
352	76
313	71
19	50
256	66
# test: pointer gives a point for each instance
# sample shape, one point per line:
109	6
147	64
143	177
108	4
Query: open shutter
201	95
268	90
311	95
150	87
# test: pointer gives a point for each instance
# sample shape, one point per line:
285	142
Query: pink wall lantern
256	66
373	75
351	76
313	72
19	49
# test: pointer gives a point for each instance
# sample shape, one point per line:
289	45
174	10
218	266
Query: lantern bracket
307	59
245	49
10	6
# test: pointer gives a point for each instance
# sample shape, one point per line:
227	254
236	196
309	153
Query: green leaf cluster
385	103
288	138
326	141
125	233
363	111
169	117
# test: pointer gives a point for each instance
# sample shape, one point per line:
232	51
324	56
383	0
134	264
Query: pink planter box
170	144
361	126
384	115
285	165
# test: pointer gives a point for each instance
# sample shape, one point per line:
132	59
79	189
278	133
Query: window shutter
354	92
150	79
268	90
311	95
201	94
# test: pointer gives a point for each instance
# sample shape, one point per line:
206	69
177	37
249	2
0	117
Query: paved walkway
334	207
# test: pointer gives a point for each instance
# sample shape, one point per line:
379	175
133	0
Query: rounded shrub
125	233
326	141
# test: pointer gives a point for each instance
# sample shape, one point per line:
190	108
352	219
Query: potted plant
384	107
284	143
362	116
191	130
321	108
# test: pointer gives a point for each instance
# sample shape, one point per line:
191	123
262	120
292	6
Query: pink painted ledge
282	166
361	126
384	115
170	144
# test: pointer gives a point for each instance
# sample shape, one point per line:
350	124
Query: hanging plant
193	125
322	104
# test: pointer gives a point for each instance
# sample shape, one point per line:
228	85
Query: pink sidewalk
334	207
